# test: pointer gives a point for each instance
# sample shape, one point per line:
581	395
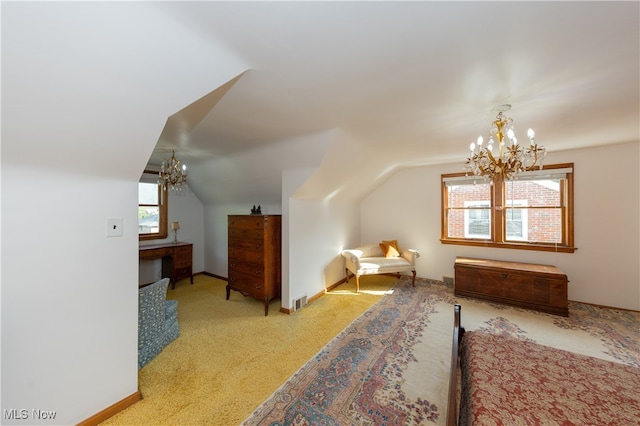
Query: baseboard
112	410
220	277
605	306
315	296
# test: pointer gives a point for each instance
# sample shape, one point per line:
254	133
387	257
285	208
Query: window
152	208
533	212
517	221
477	220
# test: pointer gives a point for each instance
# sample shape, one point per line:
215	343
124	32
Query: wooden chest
527	285
255	256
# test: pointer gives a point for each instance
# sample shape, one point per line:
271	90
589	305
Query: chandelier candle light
511	158
172	175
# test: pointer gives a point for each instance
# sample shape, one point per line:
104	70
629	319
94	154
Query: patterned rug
391	365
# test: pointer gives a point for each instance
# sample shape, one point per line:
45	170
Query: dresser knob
504	276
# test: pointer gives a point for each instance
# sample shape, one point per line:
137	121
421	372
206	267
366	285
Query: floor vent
448	280
299	303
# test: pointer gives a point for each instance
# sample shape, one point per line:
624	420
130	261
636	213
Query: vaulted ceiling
397	84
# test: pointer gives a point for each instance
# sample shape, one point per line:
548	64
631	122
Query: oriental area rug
391	365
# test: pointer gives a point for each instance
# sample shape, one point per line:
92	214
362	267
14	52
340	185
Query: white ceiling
411	82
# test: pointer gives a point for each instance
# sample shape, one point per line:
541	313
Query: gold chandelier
172	175
511	158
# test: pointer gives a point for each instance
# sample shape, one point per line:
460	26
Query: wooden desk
177	259
527	285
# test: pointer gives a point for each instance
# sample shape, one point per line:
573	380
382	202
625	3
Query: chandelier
510	159
172	175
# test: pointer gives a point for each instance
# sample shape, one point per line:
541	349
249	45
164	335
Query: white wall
291	181
86	90
314	234
319	231
69	293
604	270
186	208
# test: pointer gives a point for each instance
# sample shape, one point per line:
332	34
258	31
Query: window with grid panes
152	208
533	212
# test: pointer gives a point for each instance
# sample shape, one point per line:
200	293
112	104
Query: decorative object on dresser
177	259
174	227
157	321
255	256
526	285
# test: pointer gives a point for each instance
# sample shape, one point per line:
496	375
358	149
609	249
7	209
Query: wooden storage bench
527	285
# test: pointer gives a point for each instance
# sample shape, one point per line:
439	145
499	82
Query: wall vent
448	280
299	303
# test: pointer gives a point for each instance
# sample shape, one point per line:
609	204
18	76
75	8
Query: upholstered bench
382	258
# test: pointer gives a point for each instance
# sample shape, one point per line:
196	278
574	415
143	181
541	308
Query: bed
501	380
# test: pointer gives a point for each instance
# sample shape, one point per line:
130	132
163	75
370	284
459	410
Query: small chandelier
511	158
172	175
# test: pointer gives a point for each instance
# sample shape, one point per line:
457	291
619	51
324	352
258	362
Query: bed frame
613	384
452	404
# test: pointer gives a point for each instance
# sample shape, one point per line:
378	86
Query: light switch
114	227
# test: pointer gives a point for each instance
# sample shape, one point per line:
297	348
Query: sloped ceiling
397	84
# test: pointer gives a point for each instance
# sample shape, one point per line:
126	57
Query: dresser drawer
154	253
246	222
247	284
242	255
246	234
247	244
182	257
182	272
253	269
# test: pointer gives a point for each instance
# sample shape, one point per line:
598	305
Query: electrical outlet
114	227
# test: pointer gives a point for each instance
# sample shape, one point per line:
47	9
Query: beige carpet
229	357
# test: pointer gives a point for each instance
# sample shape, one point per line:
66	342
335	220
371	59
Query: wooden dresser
527	285
255	256
177	259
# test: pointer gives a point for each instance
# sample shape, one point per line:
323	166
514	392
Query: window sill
511	245
149	237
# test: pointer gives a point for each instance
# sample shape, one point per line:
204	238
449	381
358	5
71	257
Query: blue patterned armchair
157	321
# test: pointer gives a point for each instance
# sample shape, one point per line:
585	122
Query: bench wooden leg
357	283
346	272
414	278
